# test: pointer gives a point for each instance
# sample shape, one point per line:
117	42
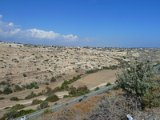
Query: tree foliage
135	79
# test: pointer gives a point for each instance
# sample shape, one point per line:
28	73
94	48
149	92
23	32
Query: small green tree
52	98
135	79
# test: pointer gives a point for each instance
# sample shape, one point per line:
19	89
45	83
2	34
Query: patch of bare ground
97	79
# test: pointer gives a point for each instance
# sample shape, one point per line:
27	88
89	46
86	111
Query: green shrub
32	85
108	84
36	101
64	85
152	97
66	96
17	107
97	88
14	99
72	90
14	114
137	81
78	91
43	105
82	90
92	71
52	98
56	89
135	78
31	95
7	90
24	75
2	98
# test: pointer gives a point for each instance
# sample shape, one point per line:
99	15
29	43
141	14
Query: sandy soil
97	79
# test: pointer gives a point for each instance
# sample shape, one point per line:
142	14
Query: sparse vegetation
2	98
32	85
14	99
65	84
43	105
108	84
31	95
15	78
36	101
17	107
14	114
137	81
92	71
7	90
52	98
78	91
97	88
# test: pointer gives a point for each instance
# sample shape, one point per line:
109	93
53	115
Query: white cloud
41	34
9	30
70	37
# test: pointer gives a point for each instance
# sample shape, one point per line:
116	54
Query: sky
100	23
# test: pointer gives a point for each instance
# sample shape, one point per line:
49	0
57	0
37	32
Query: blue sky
116	23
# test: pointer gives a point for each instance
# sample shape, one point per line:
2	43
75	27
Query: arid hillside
21	64
31	73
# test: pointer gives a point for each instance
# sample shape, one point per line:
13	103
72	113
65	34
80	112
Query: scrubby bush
53	79
52	98
56	89
31	95
152	97
64	85
97	88
2	98
32	85
108	84
43	105
7	90
17	107
14	114
136	78
24	75
14	99
137	81
36	101
82	90
78	91
72	90
92	71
